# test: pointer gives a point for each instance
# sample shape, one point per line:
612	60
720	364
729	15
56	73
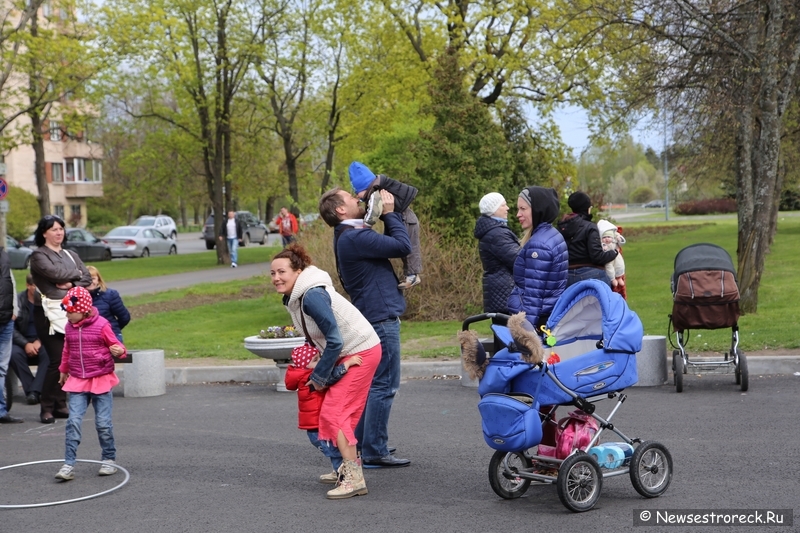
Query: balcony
83	189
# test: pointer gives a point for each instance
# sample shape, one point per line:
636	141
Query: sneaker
374	209
233	265
329	479
66	473
108	468
411	281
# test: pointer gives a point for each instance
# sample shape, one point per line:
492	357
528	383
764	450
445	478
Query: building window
47	10
75	169
94	170
59	211
75	210
58	172
55	131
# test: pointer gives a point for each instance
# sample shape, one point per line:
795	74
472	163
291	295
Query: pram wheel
677	371
579	482
651	469
742	378
505	484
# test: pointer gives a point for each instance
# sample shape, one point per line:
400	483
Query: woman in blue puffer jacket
540	269
108	303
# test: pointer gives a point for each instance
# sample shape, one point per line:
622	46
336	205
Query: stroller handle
496	318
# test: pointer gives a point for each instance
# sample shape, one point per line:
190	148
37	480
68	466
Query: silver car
18	255
162	223
138	241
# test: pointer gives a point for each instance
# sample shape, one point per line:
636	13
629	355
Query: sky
574	132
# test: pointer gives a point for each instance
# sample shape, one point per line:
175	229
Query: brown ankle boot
351	483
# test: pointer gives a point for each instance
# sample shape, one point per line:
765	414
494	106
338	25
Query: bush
642	195
99	216
706	207
451	288
790	201
23	213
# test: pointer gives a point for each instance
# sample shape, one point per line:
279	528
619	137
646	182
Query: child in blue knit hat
366	185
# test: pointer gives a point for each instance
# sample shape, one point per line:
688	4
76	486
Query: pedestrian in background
287	226
232	230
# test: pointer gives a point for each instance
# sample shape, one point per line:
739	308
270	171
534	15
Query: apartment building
73	163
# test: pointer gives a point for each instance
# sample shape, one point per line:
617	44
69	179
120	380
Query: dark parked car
18	255
253	230
655	203
87	246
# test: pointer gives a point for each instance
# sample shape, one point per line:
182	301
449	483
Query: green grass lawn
218	329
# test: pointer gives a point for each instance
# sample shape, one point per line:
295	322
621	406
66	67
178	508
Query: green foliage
100	215
642	195
23	213
463	157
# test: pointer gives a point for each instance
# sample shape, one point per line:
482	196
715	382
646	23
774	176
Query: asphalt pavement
220	458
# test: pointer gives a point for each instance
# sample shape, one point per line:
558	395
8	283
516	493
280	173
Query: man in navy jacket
362	261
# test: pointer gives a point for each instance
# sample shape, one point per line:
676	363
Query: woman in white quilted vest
335	327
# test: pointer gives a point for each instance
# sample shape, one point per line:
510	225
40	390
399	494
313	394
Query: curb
759	365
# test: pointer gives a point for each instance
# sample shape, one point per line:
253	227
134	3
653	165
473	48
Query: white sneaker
233	265
66	473
411	281
108	468
374	209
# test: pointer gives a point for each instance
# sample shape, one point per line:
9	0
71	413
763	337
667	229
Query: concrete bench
651	361
144	375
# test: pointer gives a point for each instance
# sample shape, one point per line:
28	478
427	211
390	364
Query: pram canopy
702	256
589	310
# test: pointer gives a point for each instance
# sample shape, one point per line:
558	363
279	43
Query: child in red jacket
304	359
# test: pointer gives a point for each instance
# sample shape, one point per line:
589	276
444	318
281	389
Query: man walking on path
232	231
362	261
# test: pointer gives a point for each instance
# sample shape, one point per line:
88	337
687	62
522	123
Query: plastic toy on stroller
596	336
705	296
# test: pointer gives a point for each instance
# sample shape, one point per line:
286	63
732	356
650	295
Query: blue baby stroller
596	336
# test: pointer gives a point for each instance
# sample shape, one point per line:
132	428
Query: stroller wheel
651	469
742	377
579	482
677	371
504	482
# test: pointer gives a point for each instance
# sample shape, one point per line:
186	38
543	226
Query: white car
162	223
138	241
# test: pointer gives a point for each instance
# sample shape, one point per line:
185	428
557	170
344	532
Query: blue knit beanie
361	177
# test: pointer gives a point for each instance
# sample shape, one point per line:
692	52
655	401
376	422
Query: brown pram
705	296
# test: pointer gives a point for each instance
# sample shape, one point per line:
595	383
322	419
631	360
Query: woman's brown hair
297	256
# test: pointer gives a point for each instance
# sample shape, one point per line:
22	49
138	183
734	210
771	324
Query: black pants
21	362
52	397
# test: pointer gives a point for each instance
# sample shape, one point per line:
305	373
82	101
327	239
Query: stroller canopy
702	256
589	310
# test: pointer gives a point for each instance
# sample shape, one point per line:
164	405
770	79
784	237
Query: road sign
3	188
3	206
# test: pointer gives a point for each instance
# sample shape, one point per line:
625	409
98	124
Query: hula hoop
48	504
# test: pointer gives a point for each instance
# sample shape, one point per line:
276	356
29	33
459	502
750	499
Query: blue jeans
6	338
78	404
326	447
233	248
372	431
574	275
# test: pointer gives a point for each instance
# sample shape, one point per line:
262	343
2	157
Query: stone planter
279	350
